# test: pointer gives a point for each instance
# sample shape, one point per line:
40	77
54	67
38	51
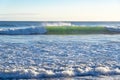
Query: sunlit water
63	57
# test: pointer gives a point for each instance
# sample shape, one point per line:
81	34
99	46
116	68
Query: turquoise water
68	57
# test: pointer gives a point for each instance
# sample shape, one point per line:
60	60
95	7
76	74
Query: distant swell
22	31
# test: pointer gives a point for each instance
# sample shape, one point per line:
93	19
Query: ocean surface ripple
43	56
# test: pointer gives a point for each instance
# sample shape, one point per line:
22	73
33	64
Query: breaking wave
42	73
70	72
23	30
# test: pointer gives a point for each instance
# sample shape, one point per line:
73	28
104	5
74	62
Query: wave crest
23	30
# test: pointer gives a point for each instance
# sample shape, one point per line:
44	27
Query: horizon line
60	20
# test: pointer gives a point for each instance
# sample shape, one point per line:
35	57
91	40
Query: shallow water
68	57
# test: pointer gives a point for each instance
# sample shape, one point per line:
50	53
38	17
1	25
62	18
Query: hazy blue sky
70	10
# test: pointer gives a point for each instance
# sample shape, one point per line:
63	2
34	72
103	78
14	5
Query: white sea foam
103	70
45	56
29	73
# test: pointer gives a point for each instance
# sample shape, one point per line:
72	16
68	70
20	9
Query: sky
59	10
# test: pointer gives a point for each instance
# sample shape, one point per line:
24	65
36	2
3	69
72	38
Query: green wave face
76	30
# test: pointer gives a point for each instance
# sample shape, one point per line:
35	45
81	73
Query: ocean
76	23
59	57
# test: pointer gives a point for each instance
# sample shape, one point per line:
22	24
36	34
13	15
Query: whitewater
28	30
58	56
